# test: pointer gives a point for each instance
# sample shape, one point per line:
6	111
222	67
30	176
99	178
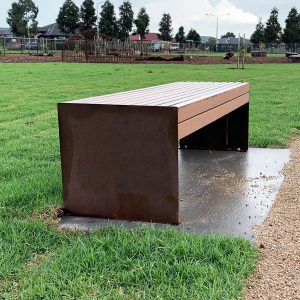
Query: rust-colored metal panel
120	162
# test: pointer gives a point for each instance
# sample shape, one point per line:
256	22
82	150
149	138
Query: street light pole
217	34
217	29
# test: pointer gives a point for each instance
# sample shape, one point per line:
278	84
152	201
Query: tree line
22	19
71	19
272	32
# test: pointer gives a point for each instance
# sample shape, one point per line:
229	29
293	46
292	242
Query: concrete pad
221	192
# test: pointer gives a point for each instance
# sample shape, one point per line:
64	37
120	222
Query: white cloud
191	14
188	13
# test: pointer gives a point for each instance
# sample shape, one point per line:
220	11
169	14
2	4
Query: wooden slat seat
194	100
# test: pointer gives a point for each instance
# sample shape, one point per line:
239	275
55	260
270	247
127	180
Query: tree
228	35
142	23
193	35
15	20
108	23
126	20
273	28
22	18
68	17
180	35
88	15
212	44
291	32
258	36
165	28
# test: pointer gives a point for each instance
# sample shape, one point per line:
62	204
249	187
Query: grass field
37	261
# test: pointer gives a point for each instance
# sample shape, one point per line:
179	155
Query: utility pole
217	27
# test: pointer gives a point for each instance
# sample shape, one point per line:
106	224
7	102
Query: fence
206	48
105	50
98	48
17	45
277	48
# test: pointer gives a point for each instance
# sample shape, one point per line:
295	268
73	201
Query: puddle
229	192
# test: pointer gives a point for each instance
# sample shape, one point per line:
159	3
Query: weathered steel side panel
120	162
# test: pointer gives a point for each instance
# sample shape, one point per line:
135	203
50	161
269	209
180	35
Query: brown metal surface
119	152
120	162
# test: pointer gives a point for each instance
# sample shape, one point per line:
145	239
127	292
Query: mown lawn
38	261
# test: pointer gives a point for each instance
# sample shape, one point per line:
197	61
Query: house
5	32
51	31
205	39
149	37
230	44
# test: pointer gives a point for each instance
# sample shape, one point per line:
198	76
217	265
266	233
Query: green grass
37	261
121	264
31	91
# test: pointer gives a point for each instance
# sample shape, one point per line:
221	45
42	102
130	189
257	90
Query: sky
244	14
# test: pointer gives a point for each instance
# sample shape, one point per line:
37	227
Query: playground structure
105	49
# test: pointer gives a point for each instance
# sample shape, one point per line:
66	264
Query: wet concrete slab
221	192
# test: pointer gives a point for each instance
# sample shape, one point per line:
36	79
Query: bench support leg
231	132
120	162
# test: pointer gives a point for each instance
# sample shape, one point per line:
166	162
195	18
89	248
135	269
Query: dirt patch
50	215
278	270
26	58
169	59
221	60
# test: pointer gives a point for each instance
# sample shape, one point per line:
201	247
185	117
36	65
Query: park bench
119	152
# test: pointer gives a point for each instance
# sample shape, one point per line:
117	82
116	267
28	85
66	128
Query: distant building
51	31
230	44
149	37
205	39
5	32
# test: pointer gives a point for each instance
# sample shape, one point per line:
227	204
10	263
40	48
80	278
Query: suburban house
205	39
230	44
149	37
5	32
51	31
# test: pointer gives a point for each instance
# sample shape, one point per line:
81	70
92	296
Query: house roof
205	39
51	30
230	41
151	37
5	31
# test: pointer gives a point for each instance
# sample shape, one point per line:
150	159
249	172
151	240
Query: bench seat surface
198	103
178	94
